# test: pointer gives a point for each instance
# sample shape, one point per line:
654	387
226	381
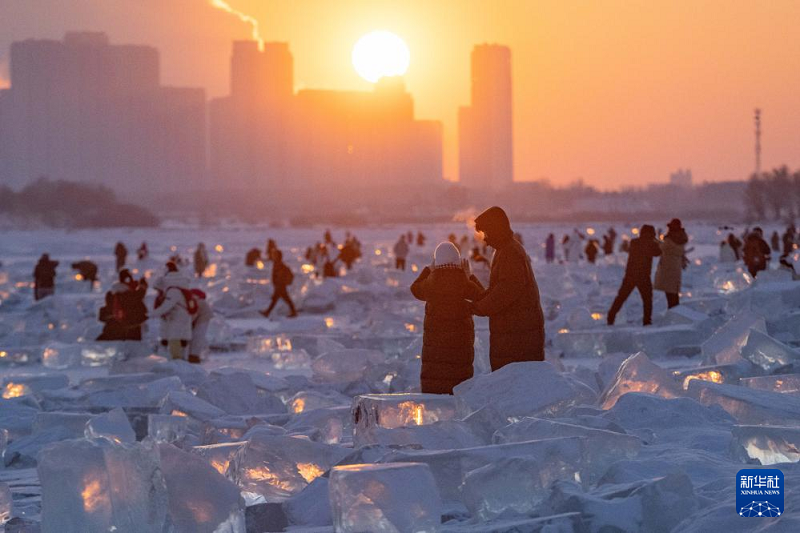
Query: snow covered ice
318	423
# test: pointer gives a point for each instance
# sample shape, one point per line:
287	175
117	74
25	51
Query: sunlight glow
380	53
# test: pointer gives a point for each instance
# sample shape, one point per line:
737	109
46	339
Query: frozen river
314	424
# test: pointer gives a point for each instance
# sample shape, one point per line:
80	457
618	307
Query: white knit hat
446	254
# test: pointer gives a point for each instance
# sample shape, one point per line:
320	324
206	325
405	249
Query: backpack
285	276
189	297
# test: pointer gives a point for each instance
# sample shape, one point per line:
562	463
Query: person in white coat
173	308
200	323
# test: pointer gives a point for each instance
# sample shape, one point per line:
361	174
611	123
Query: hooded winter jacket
449	334
670	266
516	321
177	322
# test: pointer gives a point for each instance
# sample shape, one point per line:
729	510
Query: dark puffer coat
516	321
449	334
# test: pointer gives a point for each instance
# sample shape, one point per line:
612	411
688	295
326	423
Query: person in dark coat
447	288
253	257
516	321
550	248
282	277
776	242
87	271
44	278
788	240
736	245
756	252
124	311
121	253
641	252
591	251
142	253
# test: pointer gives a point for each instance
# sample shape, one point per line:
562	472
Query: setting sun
380	53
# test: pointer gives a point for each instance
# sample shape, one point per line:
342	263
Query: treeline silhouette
59	203
774	194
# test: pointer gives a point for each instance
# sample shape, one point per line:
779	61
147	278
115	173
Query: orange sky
615	92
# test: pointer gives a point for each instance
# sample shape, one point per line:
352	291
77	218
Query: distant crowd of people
753	249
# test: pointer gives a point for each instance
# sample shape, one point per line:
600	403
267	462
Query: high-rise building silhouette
485	137
84	110
264	136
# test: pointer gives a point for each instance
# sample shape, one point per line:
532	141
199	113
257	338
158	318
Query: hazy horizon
615	93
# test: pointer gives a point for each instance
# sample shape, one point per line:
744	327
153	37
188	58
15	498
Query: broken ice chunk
24	384
768	353
268	344
724	346
218	455
236	394
638	374
201	500
748	406
101	354
305	401
60	356
384	498
400	410
715	373
187	404
606	446
113	425
344	365
532	388
785	383
6	503
514	484
96	485
768	444
277	467
330	425
447	435
449	467
166	428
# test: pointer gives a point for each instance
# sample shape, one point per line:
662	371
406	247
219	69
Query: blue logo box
759	492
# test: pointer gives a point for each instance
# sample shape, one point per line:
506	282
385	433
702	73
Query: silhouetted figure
736	245
348	254
142	252
200	260
328	238
329	269
410	237
756	252
591	251
726	253
641	252
44	278
789	239
447	288
612	239
625	245
87	271
121	253
672	262
282	277
253	257
550	248
124	311
608	245
776	242
516	321
478	257
400	253
271	248
420	239
565	247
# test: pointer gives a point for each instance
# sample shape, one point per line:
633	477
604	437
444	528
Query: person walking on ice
641	252
282	277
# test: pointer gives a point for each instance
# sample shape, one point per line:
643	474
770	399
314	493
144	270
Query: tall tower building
485	127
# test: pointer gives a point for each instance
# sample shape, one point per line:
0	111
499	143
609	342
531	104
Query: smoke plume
244	17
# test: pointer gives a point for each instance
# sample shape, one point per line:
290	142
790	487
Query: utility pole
758	141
